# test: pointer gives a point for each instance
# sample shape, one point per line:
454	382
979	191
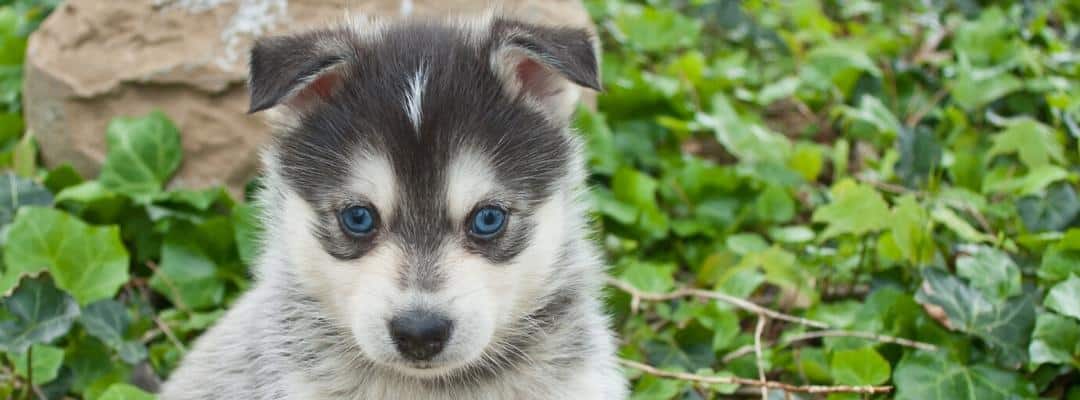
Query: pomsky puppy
424	232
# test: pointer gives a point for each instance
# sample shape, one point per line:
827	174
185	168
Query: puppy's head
423	184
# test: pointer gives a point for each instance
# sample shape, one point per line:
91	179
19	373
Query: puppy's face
427	180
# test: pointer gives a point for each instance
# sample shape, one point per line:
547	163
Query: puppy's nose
420	335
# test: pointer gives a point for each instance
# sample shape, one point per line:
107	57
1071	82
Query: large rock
92	60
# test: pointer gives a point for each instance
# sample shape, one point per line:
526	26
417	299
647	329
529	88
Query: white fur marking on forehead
414	98
373	178
406	7
469	181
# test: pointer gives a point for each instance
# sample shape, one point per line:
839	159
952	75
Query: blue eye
488	221
358	220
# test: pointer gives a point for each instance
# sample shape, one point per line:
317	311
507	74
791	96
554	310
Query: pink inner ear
536	79
319	89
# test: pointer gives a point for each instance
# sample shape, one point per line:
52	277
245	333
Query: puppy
424	232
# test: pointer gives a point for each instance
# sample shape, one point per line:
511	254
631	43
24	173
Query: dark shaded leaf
40	314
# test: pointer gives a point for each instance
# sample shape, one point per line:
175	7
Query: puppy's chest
373	388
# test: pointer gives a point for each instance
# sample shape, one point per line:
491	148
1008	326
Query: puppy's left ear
548	66
298	70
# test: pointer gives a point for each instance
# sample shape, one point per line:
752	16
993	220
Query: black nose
420	335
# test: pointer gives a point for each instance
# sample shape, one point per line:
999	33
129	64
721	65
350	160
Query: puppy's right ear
297	70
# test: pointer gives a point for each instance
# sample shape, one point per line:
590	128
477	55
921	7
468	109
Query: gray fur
285	340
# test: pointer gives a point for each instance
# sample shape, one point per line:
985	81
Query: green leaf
746	243
200	200
855	209
108	320
976	87
774	204
143	153
40	314
88	262
1053	212
634	188
603	157
25	156
245	219
649	277
45	363
1005	326
931	376
1065	297
1056	340
920	154
653	29
839	63
959	226
1035	143
123	391
990	271
911	230
748	141
1058	263
194	260
859	367
873	112
16	192
61	178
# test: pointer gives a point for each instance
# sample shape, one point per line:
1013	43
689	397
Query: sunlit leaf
89	262
143	153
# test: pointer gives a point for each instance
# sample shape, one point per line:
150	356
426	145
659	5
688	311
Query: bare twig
638	295
172	288
169	334
161	325
729	380
744	350
914	119
760	359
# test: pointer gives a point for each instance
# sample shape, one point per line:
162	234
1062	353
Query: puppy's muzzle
420	335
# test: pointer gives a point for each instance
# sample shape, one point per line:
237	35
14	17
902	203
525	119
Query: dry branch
638	295
728	380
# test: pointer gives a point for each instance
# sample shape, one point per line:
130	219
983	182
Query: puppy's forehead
422	102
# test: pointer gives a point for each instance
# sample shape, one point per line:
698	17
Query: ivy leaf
245	219
910	226
975	87
1058	263
1035	143
1053	212
990	271
930	376
123	391
143	153
873	112
603	157
959	226
649	277
192	264
16	192
108	321
1004	326
859	367
920	154
653	29
1056	340
45	364
89	262
1065	297
750	142
41	314
855	209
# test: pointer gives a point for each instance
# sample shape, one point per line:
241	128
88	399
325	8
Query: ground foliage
896	168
